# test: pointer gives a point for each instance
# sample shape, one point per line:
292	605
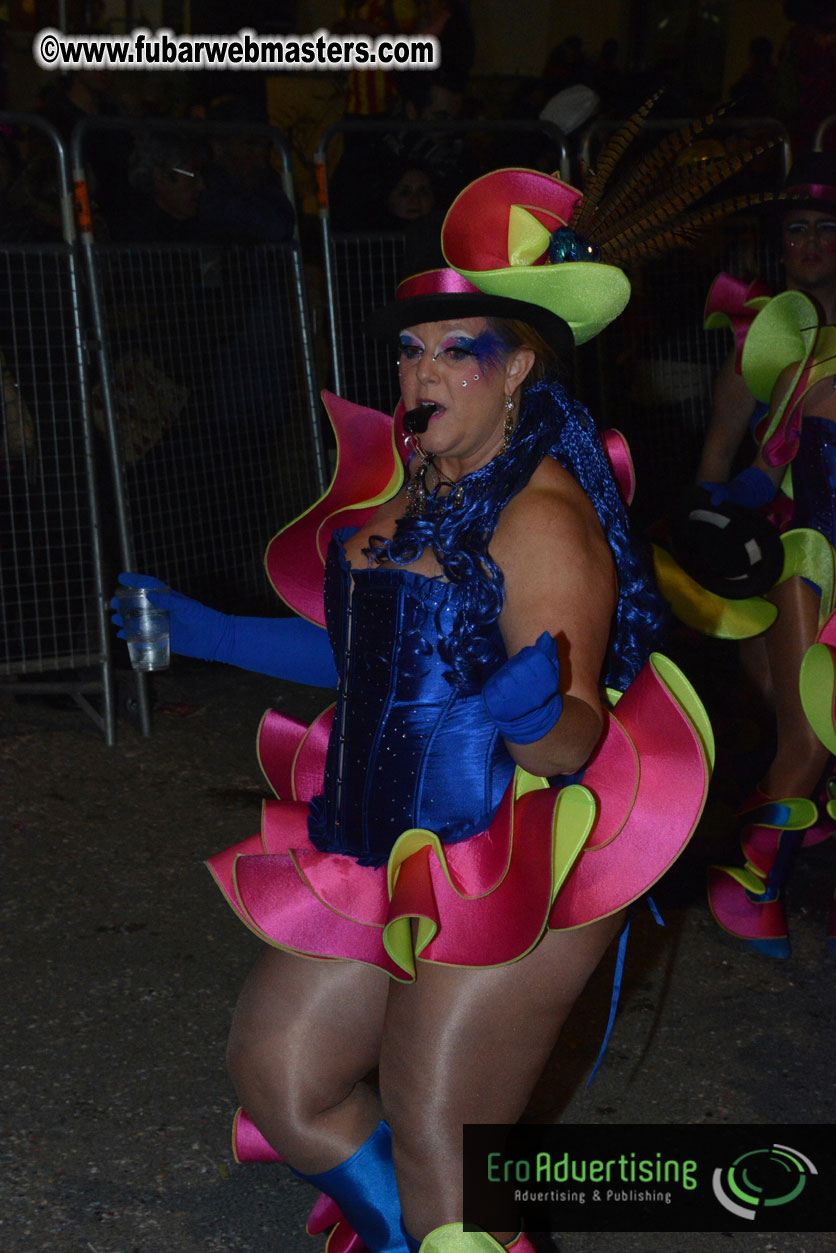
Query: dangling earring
508	429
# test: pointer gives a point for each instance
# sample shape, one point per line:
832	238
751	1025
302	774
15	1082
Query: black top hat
811	183
732	551
432	292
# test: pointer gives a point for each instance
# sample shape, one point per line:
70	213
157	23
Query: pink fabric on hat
434	283
475	236
813	191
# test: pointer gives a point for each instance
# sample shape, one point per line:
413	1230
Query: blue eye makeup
485	349
410	348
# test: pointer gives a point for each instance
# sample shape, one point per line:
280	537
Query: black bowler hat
732	551
441	294
811	184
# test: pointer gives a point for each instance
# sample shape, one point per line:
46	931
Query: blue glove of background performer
286	648
523	696
751	488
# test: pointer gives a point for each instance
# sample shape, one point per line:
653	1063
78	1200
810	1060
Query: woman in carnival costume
436	887
788	361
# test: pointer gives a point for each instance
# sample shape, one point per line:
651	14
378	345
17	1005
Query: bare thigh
468	1045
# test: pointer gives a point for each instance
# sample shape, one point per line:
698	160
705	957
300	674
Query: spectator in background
372	165
610	82
450	22
371	92
244	200
412	196
166	173
566	65
448	158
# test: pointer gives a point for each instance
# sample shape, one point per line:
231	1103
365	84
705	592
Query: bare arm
731	413
560	578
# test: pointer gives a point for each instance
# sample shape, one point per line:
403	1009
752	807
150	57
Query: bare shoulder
551	509
559	574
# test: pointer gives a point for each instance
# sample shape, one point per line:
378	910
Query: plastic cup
147	629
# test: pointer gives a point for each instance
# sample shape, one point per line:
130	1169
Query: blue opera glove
523	696
751	488
286	648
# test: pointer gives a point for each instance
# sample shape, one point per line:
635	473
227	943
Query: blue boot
364	1188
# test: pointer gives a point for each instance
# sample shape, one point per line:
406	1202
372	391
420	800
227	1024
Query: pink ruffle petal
487	899
367	464
277	743
280	906
345	886
505	923
729	296
248	1144
672	784
309	766
222	864
735	912
343	1240
621	461
782	445
284	826
325	1213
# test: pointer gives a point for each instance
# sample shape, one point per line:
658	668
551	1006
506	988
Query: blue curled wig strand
551	423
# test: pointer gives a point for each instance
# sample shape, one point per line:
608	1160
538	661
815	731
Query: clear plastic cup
147	629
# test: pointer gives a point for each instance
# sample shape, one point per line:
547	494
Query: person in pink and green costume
805	228
507	765
788	361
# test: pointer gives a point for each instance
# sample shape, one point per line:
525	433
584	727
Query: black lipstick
416	421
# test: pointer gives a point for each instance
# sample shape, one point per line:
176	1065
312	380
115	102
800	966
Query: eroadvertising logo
762	1177
650	1178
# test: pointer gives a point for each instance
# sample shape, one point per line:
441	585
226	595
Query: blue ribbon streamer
616	982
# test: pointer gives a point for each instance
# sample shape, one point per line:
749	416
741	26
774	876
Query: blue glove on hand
287	648
751	488
522	697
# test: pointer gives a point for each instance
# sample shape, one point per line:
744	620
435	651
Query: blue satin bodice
406	748
814	477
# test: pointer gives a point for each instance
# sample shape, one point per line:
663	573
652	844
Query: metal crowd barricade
363	268
204	392
52	595
651	374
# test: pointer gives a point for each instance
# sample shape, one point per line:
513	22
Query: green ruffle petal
816	685
452	1238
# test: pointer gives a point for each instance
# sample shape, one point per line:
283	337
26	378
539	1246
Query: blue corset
406	748
814	477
